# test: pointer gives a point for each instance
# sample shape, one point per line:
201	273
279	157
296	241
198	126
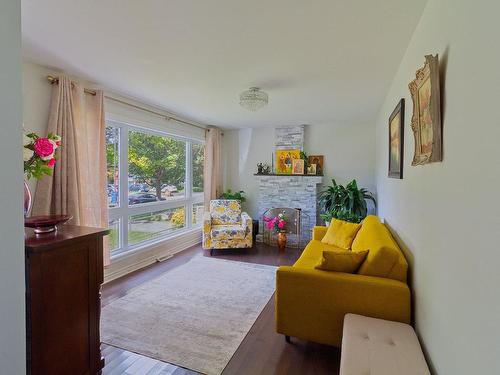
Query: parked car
169	188
142	198
141	188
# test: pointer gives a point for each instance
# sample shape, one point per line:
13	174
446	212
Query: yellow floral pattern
235	230
225	211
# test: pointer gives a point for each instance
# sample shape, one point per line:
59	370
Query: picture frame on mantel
396	141
426	120
319	161
298	166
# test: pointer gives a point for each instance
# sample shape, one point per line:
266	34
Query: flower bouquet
278	223
39	154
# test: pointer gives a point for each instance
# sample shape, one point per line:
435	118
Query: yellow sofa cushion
341	261
313	253
384	259
341	234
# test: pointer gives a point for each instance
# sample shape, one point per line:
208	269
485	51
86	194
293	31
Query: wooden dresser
64	273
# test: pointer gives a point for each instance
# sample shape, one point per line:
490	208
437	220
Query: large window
155	185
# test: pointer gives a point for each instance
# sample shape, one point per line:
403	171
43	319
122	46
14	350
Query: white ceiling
320	61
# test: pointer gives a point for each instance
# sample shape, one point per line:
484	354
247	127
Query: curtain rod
55	80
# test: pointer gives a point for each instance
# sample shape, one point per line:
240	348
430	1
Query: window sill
143	256
153	243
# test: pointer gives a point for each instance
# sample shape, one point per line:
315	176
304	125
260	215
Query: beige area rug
194	316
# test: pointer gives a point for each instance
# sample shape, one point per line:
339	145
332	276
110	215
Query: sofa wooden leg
287	338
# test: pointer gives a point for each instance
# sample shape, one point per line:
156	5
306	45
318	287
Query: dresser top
64	234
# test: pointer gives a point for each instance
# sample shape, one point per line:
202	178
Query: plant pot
327	223
281	241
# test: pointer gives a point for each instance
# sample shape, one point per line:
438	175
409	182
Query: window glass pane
113	162
156	168
114	235
148	226
198	157
198	210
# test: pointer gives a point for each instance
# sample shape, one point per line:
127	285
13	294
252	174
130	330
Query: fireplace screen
296	220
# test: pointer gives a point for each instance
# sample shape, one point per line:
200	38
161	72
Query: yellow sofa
311	304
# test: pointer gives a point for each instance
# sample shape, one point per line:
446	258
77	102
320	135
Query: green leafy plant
304	157
238	195
344	203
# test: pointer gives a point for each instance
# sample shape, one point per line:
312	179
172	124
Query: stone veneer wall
289	137
291	192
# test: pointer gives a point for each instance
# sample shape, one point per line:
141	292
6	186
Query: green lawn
134	237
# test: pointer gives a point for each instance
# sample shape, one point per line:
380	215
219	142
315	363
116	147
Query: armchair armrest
319	232
246	221
207	223
311	304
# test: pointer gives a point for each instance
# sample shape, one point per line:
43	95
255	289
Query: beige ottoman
380	347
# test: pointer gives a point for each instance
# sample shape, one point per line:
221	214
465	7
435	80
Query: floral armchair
225	226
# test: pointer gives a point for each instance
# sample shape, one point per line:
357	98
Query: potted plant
237	195
344	203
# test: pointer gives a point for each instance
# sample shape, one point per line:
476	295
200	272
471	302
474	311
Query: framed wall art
318	160
298	166
396	140
311	169
426	119
284	160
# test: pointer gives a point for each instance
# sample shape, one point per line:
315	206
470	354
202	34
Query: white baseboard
147	256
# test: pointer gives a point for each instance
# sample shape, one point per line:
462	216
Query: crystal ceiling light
253	99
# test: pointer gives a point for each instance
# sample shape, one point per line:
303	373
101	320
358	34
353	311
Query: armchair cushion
227	232
225	211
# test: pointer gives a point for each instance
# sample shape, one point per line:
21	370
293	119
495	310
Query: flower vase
27	200
281	241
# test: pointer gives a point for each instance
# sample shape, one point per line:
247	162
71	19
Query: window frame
123	210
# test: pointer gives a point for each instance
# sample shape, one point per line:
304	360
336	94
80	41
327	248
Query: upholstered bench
380	347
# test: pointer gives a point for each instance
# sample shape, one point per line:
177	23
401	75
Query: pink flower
281	224
43	147
51	162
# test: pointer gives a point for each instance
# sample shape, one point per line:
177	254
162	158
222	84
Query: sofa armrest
311	304
246	221
319	232
207	223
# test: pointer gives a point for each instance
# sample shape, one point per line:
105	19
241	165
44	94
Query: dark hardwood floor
263	351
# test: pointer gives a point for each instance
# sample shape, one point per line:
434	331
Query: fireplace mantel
287	175
292	191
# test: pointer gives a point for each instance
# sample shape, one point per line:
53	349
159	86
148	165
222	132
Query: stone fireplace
285	191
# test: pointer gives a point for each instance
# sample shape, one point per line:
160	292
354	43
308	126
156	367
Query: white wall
12	309
447	214
348	151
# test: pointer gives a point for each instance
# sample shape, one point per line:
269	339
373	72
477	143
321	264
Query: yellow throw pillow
341	233
341	261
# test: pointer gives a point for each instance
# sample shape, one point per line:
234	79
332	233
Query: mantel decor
426	119
396	140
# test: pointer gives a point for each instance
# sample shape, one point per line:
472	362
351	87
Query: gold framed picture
426	119
311	169
284	160
298	166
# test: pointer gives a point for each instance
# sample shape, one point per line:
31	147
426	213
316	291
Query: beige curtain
212	174
78	185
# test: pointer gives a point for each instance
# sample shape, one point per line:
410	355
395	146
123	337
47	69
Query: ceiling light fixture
253	99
